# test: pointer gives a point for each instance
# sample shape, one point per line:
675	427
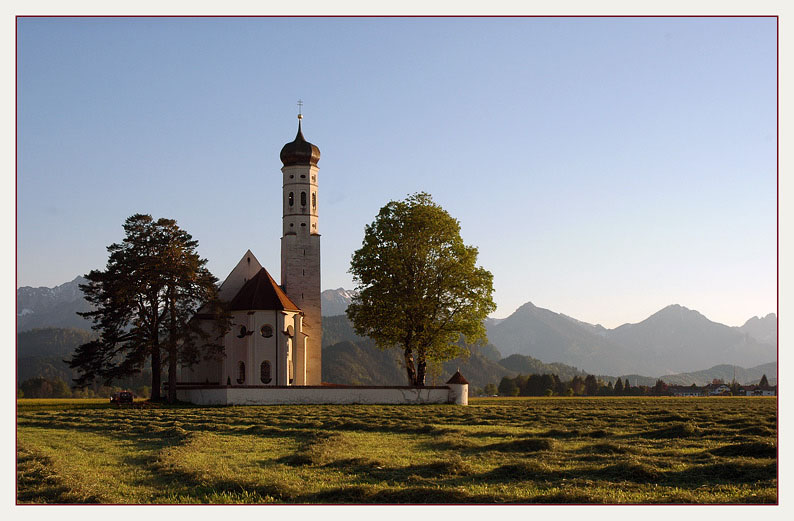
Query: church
276	334
273	351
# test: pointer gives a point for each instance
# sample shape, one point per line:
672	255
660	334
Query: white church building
273	351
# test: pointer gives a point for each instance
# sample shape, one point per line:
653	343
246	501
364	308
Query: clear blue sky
605	167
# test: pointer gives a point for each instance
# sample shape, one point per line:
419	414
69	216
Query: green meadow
496	450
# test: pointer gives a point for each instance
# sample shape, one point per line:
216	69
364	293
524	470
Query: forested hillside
41	353
351	359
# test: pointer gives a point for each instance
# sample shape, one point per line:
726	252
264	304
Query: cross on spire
300	109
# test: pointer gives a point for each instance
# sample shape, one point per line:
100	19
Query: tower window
291	176
267	331
314	178
303	176
241	372
303	198
291	199
264	372
303	224
314	199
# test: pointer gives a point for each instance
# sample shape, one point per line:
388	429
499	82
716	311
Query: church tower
300	249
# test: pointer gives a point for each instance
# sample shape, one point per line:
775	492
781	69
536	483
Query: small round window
267	331
243	332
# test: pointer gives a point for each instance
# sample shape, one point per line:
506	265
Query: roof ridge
262	292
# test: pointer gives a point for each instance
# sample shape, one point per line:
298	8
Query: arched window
264	372
314	199
267	331
240	373
243	332
303	198
291	199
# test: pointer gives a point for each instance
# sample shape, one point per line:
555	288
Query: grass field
523	450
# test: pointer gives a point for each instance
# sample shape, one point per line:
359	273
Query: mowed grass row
528	450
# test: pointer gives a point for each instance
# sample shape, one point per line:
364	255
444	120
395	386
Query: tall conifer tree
143	301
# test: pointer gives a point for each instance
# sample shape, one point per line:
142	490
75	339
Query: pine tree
152	285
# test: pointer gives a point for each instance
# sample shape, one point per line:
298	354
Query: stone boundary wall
291	395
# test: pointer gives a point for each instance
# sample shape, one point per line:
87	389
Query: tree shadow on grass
678	430
747	449
37	483
723	473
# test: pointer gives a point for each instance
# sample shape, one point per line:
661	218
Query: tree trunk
172	354
156	369
409	366
421	370
157	365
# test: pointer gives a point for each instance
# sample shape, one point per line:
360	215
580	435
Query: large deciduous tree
419	288
143	301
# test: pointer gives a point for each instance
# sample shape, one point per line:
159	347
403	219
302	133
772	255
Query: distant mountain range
351	359
671	342
52	307
335	301
58	306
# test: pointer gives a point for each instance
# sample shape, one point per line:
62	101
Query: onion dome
300	151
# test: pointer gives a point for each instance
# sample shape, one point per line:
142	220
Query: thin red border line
16	259
777	244
400	16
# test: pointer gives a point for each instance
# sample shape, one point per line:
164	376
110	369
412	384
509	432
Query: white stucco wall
315	395
459	393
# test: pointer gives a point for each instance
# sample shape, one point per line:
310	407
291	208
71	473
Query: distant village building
678	390
719	390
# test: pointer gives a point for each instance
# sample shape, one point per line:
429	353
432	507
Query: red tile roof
261	293
457	378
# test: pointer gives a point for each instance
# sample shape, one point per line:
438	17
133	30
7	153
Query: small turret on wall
458	389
